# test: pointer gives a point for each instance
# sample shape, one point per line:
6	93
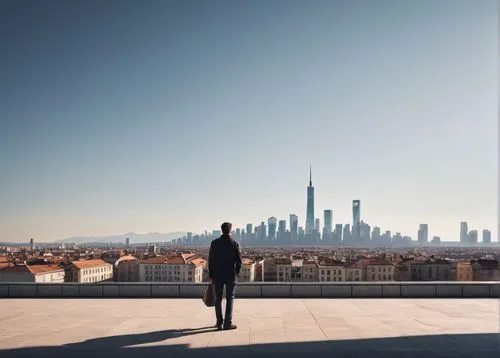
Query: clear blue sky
161	116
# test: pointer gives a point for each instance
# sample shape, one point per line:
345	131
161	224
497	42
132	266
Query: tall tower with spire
310	205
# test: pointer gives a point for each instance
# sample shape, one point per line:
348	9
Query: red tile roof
84	264
375	262
38	269
198	262
34	269
154	260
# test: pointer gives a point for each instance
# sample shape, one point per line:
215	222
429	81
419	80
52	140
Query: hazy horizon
167	116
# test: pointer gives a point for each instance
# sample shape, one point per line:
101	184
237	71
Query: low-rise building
309	271
259	274
431	270
331	272
377	270
177	268
464	271
353	273
87	271
485	270
270	269
127	269
283	269
32	273
247	272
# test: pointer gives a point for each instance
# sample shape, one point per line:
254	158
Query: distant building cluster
272	254
151	263
355	234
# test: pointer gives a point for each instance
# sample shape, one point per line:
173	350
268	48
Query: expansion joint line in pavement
315	320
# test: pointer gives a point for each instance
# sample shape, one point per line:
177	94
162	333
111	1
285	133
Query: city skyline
358	232
176	116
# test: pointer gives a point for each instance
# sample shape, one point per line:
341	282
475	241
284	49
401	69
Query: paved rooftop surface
266	328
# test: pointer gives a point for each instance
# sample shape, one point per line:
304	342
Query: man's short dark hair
226	228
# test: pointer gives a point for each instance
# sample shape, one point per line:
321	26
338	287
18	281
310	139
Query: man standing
224	264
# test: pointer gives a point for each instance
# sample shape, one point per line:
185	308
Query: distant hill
134	238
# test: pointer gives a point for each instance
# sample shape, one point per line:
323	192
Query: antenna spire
310	175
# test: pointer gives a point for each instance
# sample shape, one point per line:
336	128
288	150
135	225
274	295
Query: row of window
98	278
381	277
97	270
171	279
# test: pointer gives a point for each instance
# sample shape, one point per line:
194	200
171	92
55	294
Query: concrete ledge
87	290
49	290
495	290
448	291
135	290
70	290
334	291
4	291
192	290
257	289
23	290
111	291
277	290
391	291
425	290
165	291
305	291
248	291
475	291
368	291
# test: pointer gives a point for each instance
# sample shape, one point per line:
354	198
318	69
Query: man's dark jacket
224	259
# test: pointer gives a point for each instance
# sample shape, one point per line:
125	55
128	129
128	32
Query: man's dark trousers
219	289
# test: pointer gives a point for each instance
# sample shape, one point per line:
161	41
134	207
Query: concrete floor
111	328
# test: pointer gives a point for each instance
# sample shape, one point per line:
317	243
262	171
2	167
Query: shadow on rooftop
483	345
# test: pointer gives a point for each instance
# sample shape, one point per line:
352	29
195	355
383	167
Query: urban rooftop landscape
254	179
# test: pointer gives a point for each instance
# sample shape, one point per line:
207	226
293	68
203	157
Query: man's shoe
218	326
230	327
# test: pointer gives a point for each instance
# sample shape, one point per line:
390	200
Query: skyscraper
473	237
127	243
327	224
356	219
376	237
310	206
423	234
464	233
294	223
294	226
262	231
32	244
249	236
338	234
271	227
316	225
486	236
281	230
347	234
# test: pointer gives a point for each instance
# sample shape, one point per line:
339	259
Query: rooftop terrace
73	328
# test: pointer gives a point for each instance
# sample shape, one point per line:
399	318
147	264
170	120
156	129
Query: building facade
32	273
431	270
331	272
127	269
377	270
247	272
178	268
87	271
353	273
